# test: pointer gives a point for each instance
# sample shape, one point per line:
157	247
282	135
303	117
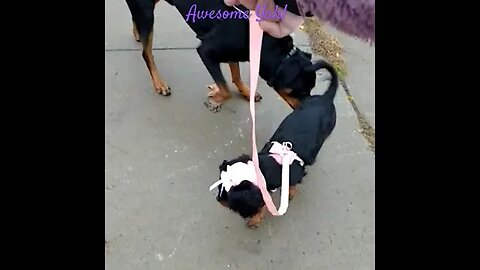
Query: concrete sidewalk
360	59
162	153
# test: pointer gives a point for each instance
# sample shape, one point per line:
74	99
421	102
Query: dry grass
366	129
326	45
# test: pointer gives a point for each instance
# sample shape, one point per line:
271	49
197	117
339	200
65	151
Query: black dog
285	68
307	127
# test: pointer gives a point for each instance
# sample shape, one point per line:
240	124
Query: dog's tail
332	88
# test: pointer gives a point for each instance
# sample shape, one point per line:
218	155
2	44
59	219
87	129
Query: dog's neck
274	52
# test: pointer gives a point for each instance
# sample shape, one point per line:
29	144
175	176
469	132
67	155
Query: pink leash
256	35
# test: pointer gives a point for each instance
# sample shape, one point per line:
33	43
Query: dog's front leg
221	94
258	218
237	80
160	85
292	192
143	20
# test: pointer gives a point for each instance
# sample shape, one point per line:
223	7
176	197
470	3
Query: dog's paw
165	92
216	97
212	90
256	220
245	92
253	223
257	98
212	105
163	89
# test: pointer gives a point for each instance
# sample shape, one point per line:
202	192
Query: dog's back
196	13
308	126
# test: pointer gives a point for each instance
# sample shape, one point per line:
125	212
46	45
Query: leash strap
284	155
256	35
285	185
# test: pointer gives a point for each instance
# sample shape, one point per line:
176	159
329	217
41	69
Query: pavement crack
155	49
365	128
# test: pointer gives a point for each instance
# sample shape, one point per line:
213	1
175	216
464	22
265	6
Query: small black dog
226	40
306	128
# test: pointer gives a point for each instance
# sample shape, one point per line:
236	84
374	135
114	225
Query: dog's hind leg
237	80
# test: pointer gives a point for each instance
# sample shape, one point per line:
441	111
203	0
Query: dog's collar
293	51
235	174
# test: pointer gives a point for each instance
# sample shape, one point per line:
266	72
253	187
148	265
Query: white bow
235	174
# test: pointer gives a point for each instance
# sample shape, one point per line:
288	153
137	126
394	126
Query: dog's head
295	77
245	198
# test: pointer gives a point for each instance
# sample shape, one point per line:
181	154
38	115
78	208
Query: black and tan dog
306	128
226	40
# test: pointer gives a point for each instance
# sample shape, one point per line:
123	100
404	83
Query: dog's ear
244	158
286	75
222	199
244	185
290	42
224	203
223	166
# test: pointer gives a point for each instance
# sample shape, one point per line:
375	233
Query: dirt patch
108	243
326	45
